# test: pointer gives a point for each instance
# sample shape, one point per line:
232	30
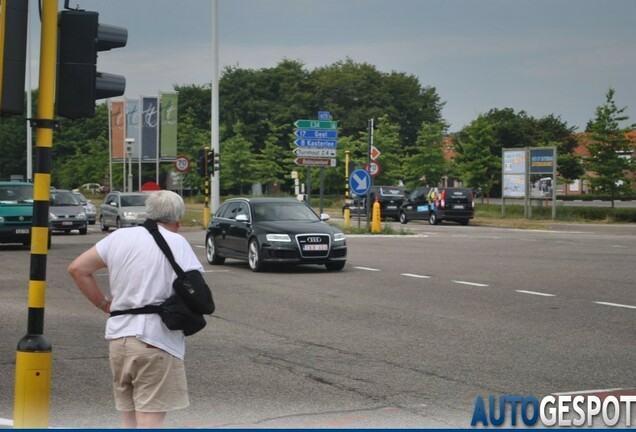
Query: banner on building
149	129
133	131
168	125
117	126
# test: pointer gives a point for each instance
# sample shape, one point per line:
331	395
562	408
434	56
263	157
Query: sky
544	57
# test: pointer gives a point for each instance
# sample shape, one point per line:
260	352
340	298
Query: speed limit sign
182	164
373	168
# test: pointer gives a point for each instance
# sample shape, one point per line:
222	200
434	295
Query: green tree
476	162
236	162
425	165
608	140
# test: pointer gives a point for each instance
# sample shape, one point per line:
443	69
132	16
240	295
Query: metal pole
214	123
34	357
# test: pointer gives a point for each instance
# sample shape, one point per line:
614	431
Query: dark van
390	199
451	204
415	206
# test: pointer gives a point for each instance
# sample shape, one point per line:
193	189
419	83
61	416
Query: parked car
389	197
93	188
16	212
123	209
66	213
452	204
89	207
264	231
415	206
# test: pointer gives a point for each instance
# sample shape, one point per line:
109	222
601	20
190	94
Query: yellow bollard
347	217
376	226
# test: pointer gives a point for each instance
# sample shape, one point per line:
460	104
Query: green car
16	212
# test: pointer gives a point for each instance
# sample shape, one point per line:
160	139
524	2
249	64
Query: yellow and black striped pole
34	354
206	204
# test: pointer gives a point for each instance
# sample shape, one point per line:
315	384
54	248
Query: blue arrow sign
359	182
316	133
318	143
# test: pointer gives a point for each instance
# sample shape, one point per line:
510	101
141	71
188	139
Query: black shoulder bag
183	310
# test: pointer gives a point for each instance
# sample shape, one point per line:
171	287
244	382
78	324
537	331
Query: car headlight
52	216
278	238
130	215
338	237
1	219
81	215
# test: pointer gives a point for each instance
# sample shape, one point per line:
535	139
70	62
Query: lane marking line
367	268
415	275
582	392
616	305
470	283
536	293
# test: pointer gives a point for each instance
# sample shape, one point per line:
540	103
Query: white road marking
616	305
587	392
6	422
367	268
470	283
216	271
415	276
535	293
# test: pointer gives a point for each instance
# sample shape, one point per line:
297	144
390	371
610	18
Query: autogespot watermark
560	410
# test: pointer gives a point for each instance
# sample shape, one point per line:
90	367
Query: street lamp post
129	146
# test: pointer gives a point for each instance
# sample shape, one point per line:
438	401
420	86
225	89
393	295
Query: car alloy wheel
210	252
403	219
432	219
254	256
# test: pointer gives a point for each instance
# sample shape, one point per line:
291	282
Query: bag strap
150	309
152	227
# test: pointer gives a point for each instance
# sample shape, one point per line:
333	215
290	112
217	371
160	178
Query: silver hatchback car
123	209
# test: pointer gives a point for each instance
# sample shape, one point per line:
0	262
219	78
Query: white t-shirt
140	275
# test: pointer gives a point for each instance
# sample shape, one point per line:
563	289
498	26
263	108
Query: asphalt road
407	335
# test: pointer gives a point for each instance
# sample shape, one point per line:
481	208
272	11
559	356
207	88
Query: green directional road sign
316	124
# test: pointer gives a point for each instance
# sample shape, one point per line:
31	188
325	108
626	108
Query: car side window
231	211
221	210
243	209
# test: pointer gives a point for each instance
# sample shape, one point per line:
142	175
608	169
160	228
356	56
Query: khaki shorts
145	378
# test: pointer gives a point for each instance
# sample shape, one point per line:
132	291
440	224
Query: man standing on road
146	358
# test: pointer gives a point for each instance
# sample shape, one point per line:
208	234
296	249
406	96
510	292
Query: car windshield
80	197
64	199
133	200
389	191
284	212
10	194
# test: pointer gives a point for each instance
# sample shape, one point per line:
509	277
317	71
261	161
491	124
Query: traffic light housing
217	162
201	166
13	38
79	84
210	161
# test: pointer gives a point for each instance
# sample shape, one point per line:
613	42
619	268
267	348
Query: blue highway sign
316	133
319	143
359	182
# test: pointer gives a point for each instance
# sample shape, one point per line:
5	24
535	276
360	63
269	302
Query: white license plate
391	207
320	247
22	231
67	223
458	206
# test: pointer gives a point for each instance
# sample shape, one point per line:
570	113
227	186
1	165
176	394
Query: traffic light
209	162
79	84
217	162
201	166
13	38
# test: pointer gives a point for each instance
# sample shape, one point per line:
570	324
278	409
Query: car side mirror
242	218
324	217
113	203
